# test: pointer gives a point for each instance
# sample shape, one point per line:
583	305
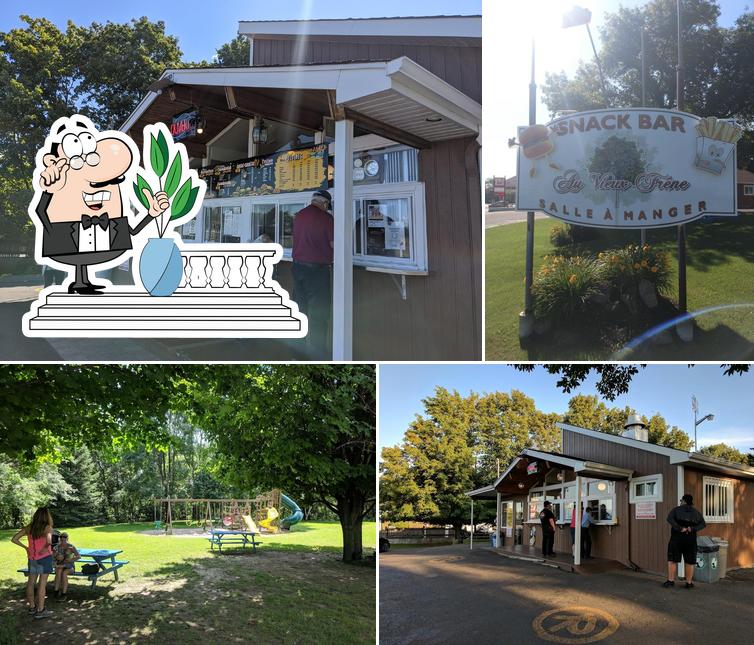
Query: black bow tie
88	221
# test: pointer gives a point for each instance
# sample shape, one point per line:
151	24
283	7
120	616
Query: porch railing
228	267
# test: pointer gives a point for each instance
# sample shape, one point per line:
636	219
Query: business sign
532	468
498	185
183	125
629	168
646	510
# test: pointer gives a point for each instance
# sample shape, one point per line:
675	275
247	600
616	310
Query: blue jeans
37	567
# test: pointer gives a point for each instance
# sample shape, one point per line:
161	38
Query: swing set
218	513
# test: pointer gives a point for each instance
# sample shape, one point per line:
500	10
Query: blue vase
161	266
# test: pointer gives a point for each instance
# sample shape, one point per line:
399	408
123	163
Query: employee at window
547	519
312	258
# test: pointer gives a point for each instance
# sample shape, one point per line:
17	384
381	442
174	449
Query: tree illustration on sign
620	158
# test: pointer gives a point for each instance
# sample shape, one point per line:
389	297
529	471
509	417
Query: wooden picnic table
226	536
103	558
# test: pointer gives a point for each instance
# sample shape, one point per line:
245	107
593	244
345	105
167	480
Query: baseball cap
324	194
688	499
548	503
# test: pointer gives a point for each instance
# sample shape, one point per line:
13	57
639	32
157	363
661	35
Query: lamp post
697	420
580	16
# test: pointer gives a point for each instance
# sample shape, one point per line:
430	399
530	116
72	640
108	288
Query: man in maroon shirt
312	259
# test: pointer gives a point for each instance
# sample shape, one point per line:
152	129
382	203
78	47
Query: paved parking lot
449	594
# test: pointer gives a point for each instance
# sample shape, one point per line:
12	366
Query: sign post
526	318
685	329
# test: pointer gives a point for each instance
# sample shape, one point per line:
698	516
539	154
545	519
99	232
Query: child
65	555
39	553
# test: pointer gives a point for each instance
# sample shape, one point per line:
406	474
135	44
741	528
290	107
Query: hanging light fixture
201	123
259	132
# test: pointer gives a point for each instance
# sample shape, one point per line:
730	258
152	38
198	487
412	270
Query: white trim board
421	27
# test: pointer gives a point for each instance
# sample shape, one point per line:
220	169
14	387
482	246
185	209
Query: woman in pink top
39	553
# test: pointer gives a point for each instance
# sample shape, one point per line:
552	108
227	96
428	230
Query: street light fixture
697	420
581	16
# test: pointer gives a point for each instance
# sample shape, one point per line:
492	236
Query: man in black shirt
685	521
547	518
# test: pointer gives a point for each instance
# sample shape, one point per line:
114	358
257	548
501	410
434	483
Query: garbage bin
707	566
722	558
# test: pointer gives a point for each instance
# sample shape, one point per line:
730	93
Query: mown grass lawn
720	260
293	590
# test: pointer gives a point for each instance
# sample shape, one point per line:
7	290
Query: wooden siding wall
460	66
649	538
441	318
740	535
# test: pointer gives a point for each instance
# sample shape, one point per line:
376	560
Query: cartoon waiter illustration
80	207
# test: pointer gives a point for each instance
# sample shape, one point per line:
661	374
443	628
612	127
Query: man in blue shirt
586	538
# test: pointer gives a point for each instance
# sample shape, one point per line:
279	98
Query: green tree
101	71
234	53
663	434
87	508
587	411
724	451
307	429
426	478
612	379
44	408
25	487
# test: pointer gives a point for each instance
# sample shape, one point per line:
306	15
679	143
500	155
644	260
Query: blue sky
666	389
201	27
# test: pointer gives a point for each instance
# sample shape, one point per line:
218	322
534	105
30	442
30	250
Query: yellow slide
250	524
272	515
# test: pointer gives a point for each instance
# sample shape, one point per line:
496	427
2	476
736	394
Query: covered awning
516	480
398	99
714	464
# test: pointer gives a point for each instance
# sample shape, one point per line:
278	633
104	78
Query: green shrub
563	285
560	235
625	268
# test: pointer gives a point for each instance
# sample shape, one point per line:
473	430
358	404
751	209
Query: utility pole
679	81
643	103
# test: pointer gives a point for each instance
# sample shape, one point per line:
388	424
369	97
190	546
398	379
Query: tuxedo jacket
62	238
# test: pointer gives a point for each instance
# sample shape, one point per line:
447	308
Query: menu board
283	172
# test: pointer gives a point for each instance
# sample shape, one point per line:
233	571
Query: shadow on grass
208	599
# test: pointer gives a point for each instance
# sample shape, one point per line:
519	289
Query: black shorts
685	546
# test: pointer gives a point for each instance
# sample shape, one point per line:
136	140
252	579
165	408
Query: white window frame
748	190
721	487
657	497
413	190
566	501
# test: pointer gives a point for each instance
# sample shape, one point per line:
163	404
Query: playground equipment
296	513
228	513
266	523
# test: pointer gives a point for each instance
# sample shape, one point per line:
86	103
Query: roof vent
635	428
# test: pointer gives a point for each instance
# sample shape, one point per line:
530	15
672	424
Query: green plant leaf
181	197
163	145
174	175
139	185
156	157
189	204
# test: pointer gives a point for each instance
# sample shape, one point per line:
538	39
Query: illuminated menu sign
283	172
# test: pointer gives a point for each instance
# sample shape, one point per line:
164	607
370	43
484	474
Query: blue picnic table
103	558
226	536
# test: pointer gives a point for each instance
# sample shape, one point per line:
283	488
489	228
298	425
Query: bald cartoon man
81	208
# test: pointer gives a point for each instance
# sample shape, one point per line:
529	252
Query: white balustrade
228	267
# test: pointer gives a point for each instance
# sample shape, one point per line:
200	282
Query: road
17	293
501	218
450	594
